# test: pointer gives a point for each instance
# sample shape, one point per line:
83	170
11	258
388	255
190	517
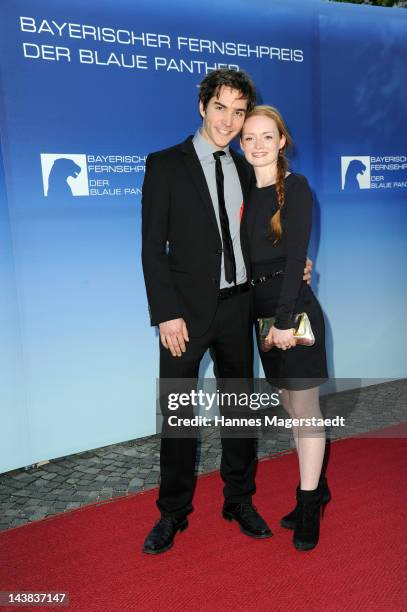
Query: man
196	269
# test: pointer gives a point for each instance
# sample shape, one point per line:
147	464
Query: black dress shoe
162	535
248	518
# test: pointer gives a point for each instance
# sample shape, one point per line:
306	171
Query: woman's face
261	141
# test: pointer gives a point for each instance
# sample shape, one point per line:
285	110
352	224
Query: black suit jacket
183	277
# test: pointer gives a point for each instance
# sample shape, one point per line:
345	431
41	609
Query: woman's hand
308	271
281	338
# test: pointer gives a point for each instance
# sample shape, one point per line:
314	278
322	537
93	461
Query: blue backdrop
85	95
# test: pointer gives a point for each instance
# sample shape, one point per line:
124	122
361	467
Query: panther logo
61	170
355	168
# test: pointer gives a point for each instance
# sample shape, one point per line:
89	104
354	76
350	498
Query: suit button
218	251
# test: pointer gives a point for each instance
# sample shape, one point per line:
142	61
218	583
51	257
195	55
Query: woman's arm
297	223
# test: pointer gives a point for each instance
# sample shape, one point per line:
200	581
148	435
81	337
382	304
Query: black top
290	252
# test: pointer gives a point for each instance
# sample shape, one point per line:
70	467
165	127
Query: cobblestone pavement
27	495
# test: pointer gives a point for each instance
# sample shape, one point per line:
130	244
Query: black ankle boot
289	520
306	532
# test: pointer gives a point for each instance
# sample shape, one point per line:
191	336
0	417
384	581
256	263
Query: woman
279	226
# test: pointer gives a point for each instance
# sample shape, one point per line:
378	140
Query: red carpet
359	564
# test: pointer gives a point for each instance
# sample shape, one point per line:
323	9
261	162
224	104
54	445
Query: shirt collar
204	149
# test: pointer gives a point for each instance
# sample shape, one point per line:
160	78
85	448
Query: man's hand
173	335
307	271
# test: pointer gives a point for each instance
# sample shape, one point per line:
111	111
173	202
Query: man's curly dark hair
236	79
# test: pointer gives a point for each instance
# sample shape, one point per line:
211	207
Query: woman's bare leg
310	441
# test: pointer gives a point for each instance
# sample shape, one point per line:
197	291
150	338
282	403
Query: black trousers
230	340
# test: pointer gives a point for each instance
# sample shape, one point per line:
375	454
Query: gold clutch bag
303	331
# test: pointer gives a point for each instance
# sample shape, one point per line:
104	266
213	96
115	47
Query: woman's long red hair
282	164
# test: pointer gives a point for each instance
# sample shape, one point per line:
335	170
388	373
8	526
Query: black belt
228	292
263	279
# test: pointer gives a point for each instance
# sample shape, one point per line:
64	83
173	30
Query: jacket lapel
245	177
198	177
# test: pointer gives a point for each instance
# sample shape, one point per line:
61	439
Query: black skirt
300	367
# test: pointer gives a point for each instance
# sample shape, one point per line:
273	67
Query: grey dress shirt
233	200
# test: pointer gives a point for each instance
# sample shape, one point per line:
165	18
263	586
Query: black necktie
228	254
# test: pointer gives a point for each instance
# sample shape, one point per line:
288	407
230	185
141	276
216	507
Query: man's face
223	117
